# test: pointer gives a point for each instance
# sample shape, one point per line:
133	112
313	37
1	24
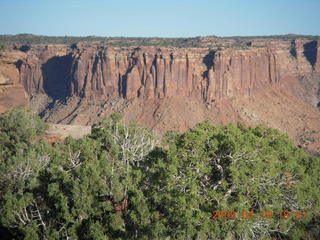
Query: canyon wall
12	94
270	82
93	71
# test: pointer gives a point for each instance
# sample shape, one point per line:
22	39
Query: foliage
18	130
118	183
79	189
237	169
194	42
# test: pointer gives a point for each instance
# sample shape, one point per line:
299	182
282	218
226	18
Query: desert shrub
119	183
18	130
232	168
82	189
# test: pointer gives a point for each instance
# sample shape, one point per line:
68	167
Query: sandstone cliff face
273	82
46	70
163	73
12	93
151	73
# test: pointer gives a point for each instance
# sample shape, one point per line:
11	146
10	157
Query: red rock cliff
12	94
151	73
163	73
274	82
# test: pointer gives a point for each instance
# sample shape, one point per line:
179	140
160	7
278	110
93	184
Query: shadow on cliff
56	76
208	60
310	52
293	49
123	83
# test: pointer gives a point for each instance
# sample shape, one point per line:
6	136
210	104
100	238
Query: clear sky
162	18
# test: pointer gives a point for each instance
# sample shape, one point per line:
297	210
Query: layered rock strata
273	82
151	73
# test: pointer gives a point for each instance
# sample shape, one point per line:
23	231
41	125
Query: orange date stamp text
266	214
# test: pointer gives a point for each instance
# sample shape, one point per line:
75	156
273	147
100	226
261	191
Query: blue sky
162	18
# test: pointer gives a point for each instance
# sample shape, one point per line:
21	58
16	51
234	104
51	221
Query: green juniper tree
119	183
232	168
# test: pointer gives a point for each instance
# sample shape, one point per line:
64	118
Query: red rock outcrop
163	73
151	73
269	81
46	70
12	94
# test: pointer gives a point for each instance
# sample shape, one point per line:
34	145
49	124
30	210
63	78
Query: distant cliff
259	80
150	72
12	94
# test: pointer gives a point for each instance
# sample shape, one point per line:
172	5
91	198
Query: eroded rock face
269	82
46	70
151	73
163	73
12	94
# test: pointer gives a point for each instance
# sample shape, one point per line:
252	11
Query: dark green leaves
116	184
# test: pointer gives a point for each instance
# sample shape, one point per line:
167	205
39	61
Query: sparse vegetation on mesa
194	42
118	183
110	41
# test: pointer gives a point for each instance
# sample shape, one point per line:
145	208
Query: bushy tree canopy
237	169
121	183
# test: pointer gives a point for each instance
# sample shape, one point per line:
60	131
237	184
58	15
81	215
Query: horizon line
198	36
